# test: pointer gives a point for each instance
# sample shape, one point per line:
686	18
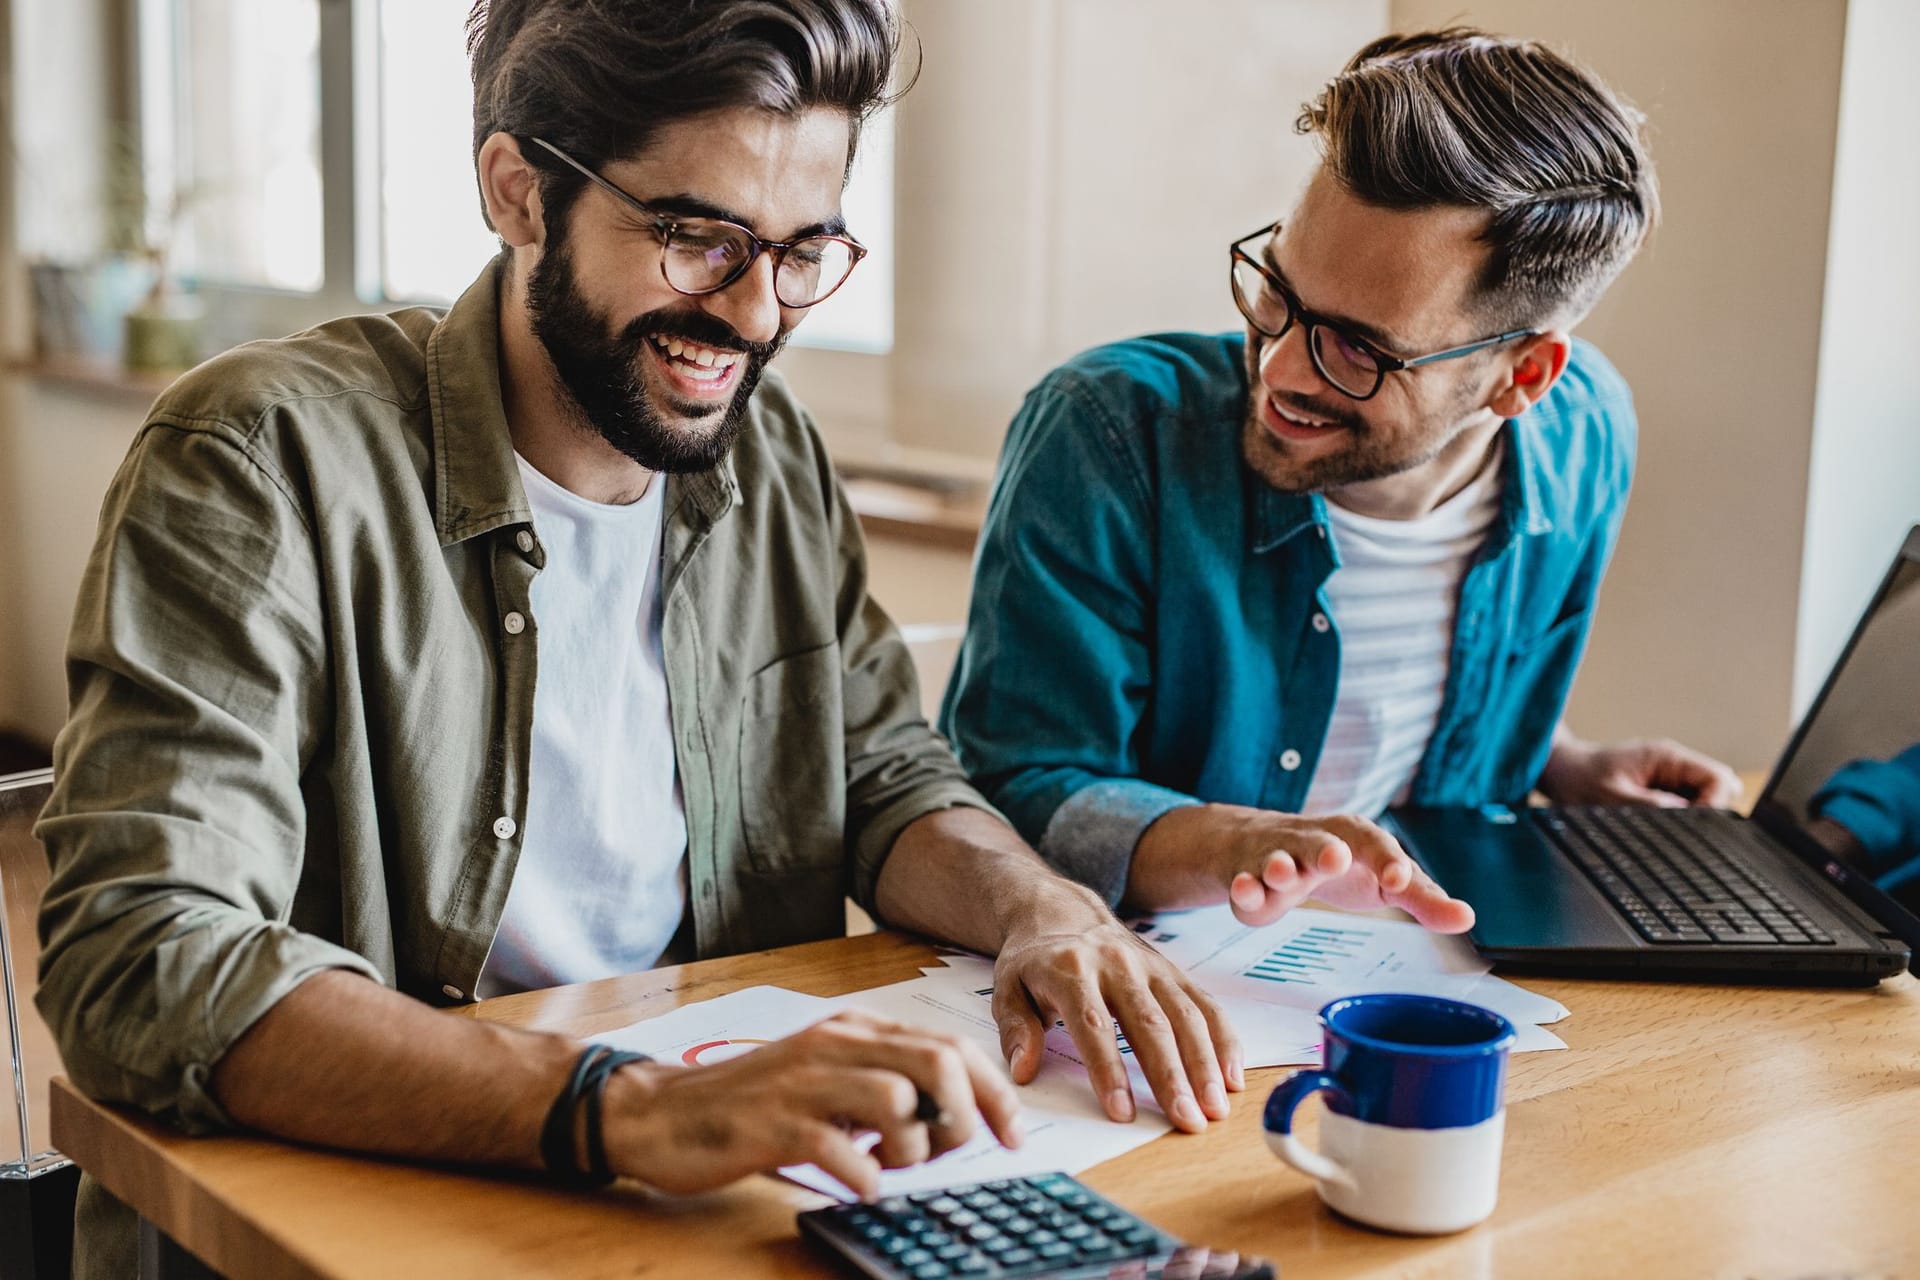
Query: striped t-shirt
1393	600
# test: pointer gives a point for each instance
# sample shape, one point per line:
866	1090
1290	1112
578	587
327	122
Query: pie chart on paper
705	1055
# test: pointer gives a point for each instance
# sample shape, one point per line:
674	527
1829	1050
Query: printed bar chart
1311	956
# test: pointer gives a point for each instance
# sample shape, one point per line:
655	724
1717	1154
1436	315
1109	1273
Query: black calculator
1044	1224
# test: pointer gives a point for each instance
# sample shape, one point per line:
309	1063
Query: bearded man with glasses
426	657
1238	594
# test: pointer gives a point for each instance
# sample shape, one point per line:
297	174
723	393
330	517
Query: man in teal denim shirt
1235	594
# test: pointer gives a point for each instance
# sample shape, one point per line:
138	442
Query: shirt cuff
1092	835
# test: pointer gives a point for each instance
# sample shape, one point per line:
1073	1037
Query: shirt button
1320	622
1289	759
505	827
515	624
452	992
524	541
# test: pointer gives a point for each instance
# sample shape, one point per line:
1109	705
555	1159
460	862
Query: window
321	151
232	142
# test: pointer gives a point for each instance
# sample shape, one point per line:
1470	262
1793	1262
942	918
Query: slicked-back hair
1461	118
597	78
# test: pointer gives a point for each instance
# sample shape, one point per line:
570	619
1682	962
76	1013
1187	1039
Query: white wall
1717	327
1864	486
1070	172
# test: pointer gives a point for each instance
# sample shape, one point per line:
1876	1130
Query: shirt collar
476	482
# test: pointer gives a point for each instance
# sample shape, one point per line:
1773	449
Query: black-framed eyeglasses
705	255
1350	363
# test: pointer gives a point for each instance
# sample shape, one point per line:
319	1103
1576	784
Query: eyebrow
683	204
1379	337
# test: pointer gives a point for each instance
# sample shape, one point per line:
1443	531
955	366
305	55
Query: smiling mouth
697	370
1290	424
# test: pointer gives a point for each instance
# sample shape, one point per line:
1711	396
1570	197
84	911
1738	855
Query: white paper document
1063	1124
1273	979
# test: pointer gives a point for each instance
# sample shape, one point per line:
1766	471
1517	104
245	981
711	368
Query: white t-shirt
601	885
1393	599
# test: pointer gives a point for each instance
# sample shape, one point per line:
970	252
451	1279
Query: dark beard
600	371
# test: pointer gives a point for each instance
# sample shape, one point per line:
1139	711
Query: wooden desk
1688	1131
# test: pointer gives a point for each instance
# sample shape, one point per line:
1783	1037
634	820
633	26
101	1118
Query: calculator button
998	1213
979	1200
952	1252
972	1266
1055	1251
1017	1225
962	1218
930	1271
1075	1231
985	1231
1017	1257
1042	1236
943	1204
894	1246
1135	1236
915	1258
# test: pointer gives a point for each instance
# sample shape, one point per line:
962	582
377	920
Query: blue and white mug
1410	1139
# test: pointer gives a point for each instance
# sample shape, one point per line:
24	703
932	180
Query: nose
1285	364
748	303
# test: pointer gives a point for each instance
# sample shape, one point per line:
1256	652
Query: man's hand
803	1100
1650	771
1076	964
1269	863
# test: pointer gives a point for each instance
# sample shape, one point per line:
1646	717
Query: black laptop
1639	892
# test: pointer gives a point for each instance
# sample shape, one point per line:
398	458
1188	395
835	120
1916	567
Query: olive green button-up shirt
302	671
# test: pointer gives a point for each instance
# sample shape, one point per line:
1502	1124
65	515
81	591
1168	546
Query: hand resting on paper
805	1100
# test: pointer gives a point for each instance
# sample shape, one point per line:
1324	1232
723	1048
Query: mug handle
1277	1120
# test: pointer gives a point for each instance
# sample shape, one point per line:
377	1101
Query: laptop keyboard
1666	872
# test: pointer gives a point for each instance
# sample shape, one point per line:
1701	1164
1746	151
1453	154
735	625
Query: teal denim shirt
1149	627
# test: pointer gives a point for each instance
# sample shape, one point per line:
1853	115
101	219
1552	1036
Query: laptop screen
1851	775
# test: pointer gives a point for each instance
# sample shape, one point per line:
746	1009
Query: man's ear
1530	371
510	187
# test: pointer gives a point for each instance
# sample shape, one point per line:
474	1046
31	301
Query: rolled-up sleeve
176	828
1053	679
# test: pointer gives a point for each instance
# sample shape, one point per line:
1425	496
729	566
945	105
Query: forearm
1567	754
1173	867
344	1062
963	875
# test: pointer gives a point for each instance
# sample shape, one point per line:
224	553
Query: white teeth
708	364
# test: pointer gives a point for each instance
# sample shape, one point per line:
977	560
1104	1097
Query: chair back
27	1051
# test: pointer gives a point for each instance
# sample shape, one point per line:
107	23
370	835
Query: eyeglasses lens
704	256
1263	306
1348	366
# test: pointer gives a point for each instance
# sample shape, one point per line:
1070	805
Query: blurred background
183	175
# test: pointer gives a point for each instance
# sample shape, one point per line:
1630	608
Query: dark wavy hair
597	78
1462	118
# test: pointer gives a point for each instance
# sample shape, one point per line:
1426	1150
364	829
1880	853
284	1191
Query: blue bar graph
1310	957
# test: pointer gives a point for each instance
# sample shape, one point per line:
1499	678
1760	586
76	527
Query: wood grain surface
1687	1131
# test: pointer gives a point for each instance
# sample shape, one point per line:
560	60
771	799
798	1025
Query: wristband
586	1081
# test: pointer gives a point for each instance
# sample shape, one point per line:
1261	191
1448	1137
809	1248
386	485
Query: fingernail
1237	1074
1016	1132
1187	1115
1215	1098
1120	1105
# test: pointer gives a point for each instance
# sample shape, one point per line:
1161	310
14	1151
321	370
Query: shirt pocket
793	774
